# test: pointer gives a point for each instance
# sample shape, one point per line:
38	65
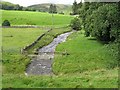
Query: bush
101	20
75	24
61	13
105	24
6	23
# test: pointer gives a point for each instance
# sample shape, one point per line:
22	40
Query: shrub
61	13
75	24
6	23
101	20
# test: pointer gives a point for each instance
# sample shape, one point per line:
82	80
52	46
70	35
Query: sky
32	2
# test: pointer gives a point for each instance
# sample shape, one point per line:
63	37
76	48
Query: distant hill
6	3
45	7
67	9
10	6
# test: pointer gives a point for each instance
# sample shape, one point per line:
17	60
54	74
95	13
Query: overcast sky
31	2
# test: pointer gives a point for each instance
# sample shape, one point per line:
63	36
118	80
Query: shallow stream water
41	64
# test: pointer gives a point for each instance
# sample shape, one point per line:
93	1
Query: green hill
45	7
34	18
6	3
10	6
67	9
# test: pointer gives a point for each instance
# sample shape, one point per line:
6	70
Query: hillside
45	7
34	18
7	3
10	6
37	7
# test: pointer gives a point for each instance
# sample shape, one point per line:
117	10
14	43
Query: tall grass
87	64
92	79
84	54
14	39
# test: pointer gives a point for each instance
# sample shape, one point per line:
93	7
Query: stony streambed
41	64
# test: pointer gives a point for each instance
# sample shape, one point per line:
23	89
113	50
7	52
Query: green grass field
19	37
35	18
85	54
14	39
89	65
92	79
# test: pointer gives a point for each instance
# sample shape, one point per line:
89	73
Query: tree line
75	7
98	19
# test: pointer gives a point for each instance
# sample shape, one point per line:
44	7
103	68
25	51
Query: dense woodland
100	20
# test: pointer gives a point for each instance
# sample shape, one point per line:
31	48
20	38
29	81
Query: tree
16	7
75	24
61	13
52	9
105	22
75	8
100	20
6	23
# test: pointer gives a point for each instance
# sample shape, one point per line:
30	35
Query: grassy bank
92	79
87	64
85	54
47	38
14	39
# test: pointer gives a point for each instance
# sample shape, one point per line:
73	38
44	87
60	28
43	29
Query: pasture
87	64
84	55
14	39
35	18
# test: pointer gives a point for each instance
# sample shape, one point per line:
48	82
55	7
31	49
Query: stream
41	64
